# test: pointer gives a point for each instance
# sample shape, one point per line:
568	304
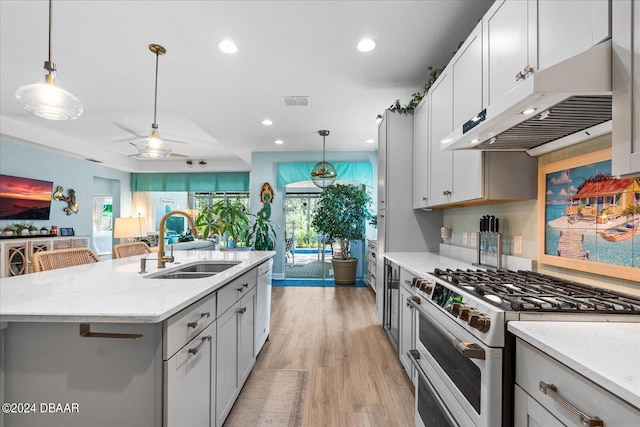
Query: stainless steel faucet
162	259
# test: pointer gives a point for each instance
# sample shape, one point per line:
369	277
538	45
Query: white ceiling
215	101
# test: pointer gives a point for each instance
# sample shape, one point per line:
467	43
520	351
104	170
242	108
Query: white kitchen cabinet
535	370
235	352
372	262
421	155
510	46
440	125
400	228
522	37
189	375
407	324
625	154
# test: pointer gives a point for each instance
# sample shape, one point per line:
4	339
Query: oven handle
414	355
468	349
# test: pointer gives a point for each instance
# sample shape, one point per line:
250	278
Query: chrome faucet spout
162	259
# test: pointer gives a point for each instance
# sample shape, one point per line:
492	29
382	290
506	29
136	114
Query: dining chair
61	258
124	250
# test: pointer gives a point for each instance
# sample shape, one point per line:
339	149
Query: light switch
464	238
474	240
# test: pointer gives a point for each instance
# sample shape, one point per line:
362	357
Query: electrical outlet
517	244
464	238
474	239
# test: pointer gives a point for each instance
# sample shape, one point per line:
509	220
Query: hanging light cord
155	101
49	66
323	149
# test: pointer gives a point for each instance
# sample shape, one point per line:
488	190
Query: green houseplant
262	235
341	214
226	217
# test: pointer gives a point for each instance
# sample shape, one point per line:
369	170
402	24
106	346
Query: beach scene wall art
591	216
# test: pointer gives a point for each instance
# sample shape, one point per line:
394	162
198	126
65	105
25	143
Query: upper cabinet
421	154
510	40
626	87
440	124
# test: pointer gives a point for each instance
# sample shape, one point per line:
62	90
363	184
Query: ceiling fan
143	156
152	146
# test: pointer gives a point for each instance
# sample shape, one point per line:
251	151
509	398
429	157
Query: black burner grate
530	291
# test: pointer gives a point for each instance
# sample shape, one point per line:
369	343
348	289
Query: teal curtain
205	182
361	172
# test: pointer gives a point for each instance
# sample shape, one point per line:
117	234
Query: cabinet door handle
195	324
446	193
519	76
85	332
527	70
242	310
586	420
241	288
197	348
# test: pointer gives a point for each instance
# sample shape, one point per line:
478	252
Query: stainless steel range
465	357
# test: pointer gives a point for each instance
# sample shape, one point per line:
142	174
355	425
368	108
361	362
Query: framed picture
66	232
589	220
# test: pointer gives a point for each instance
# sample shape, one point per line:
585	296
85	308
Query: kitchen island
102	344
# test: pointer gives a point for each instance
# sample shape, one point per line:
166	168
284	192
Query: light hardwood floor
355	378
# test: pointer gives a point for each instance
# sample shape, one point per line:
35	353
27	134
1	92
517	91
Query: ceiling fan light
153	147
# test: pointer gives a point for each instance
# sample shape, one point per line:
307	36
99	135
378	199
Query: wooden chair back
124	250
61	258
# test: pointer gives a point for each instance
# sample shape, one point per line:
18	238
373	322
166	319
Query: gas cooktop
530	291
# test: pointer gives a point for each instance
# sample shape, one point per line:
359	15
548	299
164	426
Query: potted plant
230	220
21	228
262	235
44	230
341	214
9	230
207	222
33	229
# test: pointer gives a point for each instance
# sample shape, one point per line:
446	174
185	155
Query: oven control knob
479	321
457	307
465	313
426	286
415	282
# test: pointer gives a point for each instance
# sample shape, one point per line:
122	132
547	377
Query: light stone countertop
420	263
606	353
113	291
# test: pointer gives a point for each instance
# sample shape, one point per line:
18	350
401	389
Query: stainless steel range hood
572	102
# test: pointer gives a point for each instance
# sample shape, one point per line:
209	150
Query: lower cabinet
189	375
16	253
185	371
235	353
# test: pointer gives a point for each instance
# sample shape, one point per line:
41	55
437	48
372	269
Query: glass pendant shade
47	98
153	147
323	174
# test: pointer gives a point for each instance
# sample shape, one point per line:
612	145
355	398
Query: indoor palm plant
262	235
341	214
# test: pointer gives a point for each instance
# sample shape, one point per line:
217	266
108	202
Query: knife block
489	246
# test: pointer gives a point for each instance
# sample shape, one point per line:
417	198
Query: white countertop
606	353
420	263
113	291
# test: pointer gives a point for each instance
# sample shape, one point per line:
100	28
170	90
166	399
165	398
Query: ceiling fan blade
182	156
173	140
131	131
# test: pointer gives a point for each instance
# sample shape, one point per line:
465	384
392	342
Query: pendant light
153	146
47	98
323	174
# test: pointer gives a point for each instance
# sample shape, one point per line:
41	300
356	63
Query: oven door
465	373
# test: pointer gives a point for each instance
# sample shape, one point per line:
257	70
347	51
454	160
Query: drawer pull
196	349
195	324
242	288
85	332
586	420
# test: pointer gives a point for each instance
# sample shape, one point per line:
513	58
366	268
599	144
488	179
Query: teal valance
203	182
360	172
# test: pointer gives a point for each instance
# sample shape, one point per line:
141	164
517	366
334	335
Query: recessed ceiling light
474	141
279	141
366	45
370	141
267	122
528	111
227	46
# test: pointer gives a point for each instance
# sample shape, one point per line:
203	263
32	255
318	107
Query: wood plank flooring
355	378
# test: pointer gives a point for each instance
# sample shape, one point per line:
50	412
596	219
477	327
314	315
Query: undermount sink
196	270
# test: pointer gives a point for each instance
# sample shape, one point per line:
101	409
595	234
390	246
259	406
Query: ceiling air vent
296	101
